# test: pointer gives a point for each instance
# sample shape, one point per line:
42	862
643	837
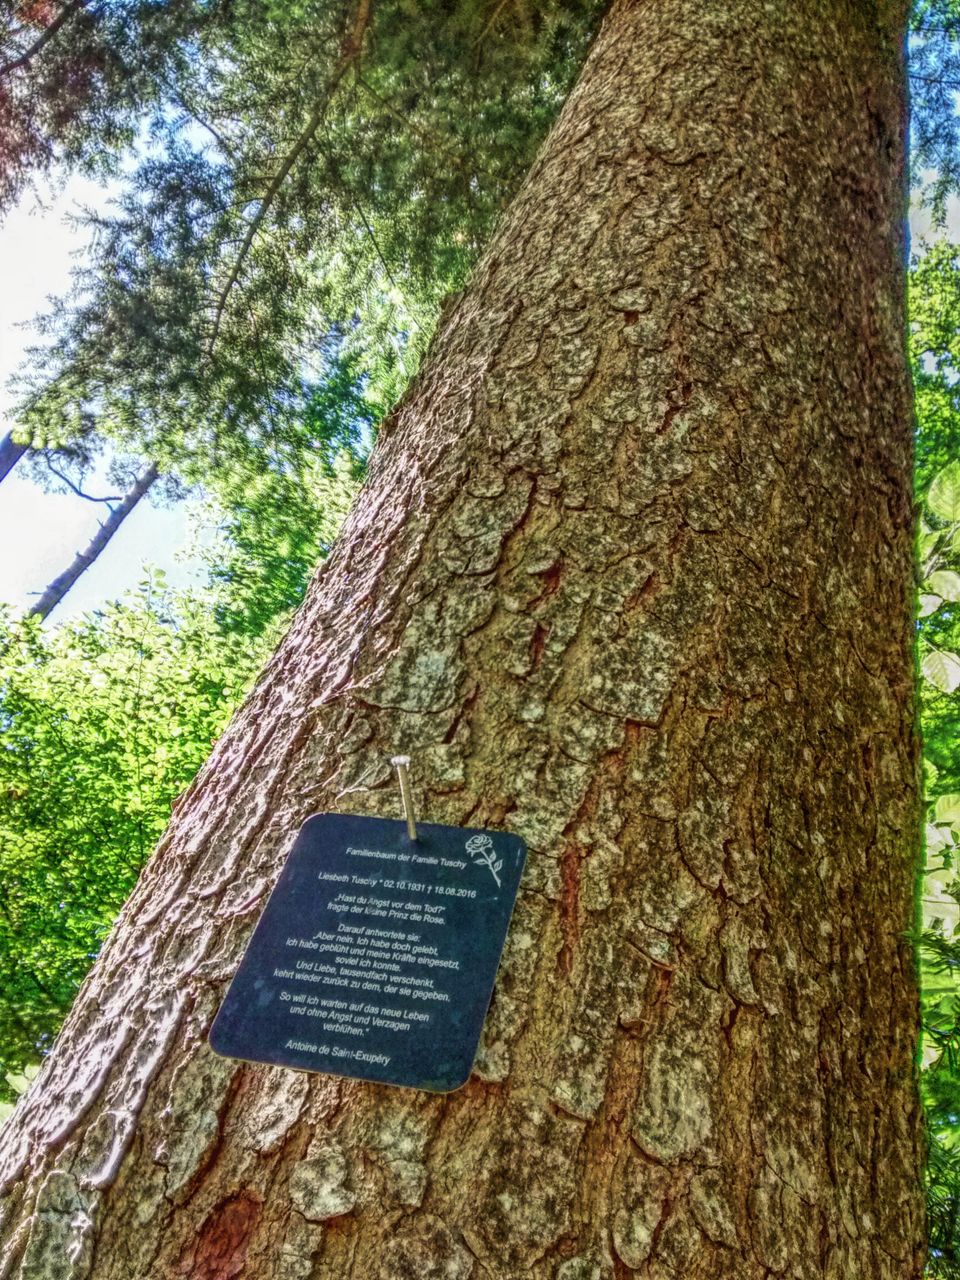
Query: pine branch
180	99
46	35
433	140
349	53
492	21
944	84
335	172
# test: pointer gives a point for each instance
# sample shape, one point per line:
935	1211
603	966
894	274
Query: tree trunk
631	576
10	454
82	561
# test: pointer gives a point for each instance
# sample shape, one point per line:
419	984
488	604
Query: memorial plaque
375	955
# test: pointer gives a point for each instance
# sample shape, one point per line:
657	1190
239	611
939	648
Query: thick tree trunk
82	561
631	576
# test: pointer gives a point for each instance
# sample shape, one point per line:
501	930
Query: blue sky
40	532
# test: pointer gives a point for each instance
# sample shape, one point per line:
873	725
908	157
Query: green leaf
20	1081
945	583
935	838
943	496
942	669
928	541
947	808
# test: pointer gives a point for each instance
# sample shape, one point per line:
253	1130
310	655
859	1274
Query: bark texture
631	576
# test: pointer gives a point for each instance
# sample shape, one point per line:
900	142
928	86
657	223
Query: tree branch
348	54
180	99
84	559
944	84
433	140
75	488
46	35
492	21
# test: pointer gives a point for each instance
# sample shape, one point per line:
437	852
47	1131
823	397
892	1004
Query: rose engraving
480	849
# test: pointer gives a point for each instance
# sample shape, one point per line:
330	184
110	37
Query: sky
40	532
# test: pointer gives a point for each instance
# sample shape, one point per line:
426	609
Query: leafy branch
941	585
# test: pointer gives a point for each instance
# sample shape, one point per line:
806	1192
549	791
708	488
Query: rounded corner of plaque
316	820
212	1035
454	1088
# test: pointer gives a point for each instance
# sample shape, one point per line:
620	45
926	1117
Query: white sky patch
41	532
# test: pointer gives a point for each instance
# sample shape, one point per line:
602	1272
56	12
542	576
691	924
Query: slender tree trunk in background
82	561
631	576
10	454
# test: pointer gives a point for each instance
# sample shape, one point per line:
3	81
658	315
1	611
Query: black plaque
375	955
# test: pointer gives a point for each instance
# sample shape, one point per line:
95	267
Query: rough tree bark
631	576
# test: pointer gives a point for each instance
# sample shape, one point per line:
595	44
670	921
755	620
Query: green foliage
297	168
266	547
935	358
103	722
939	629
940	1087
939	941
270	530
934	81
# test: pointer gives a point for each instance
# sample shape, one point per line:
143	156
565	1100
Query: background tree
940	936
934	293
630	575
102	725
355	182
104	721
